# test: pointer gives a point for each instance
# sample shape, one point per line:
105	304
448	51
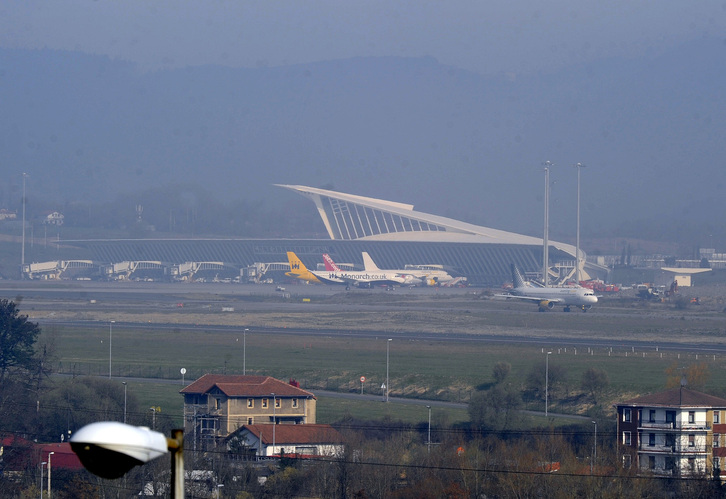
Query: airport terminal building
394	234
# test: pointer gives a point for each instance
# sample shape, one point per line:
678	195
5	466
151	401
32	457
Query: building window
626	415
717	463
651	439
651	417
250	403
217	404
264	403
691	417
716	438
691	464
626	437
250	421
691	440
627	460
651	462
277	403
294	403
716	417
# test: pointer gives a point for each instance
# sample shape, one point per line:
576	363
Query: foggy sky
458	122
487	37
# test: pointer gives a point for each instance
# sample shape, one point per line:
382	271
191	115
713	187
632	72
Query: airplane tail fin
330	265
368	264
296	265
517	279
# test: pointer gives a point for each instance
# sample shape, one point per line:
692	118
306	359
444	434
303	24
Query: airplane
413	277
548	297
345	277
300	271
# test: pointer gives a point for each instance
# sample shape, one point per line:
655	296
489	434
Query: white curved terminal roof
351	217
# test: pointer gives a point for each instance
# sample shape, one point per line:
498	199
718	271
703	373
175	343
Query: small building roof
245	386
287	434
677	397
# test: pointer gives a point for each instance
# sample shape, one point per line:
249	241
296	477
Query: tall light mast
579	167
22	252
545	252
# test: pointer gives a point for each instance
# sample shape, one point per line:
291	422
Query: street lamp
547	380
244	352
579	167
110	449
124	383
594	448
388	351
41	478
110	339
49	492
429	440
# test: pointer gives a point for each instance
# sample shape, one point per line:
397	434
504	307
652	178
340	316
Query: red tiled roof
287	434
677	397
245	386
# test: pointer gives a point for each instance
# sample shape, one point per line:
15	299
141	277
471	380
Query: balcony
672	449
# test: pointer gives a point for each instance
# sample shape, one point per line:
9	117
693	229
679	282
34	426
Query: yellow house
217	405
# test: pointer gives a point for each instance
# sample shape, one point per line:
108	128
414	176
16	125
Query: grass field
442	370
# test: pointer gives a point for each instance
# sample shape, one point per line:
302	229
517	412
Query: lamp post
547	381
274	422
49	492
545	238
41	478
124	383
429	440
110	340
244	352
579	167
388	351
594	448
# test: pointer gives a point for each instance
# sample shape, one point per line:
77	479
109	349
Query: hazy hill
651	131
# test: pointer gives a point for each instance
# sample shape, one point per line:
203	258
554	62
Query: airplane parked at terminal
346	277
548	297
414	277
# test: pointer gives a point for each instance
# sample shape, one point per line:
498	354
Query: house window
627	460
691	417
691	464
294	403
626	437
716	438
250	421
652	416
264	403
651	439
250	403
626	415
691	440
277	403
717	463
651	462
716	417
217	404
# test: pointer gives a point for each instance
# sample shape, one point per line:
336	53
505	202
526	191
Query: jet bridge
57	269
